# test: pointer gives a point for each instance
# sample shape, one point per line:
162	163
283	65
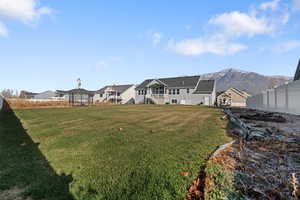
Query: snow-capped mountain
250	82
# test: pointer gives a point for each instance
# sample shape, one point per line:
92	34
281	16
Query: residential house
233	98
27	95
190	90
119	94
47	95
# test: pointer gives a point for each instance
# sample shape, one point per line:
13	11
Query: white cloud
3	30
238	24
214	45
273	5
156	38
296	5
230	28
289	45
27	11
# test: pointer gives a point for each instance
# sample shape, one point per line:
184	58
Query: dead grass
26	104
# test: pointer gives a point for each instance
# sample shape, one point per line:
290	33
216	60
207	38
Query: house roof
24	92
237	91
205	87
118	88
144	84
297	74
243	93
184	82
76	91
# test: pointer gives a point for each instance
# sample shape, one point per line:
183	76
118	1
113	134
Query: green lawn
107	152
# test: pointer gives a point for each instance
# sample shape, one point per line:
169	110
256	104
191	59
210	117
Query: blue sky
48	44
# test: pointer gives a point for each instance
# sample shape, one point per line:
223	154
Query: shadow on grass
23	166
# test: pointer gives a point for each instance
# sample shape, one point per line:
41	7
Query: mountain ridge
244	80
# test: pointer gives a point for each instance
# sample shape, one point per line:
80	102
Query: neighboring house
27	95
120	94
47	95
232	97
190	90
297	74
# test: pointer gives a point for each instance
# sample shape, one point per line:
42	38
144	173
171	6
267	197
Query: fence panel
1	101
285	98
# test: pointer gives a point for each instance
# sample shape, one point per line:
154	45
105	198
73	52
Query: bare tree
9	93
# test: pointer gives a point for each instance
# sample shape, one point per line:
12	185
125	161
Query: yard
106	152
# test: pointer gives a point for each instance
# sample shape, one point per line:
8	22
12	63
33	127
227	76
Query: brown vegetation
25	103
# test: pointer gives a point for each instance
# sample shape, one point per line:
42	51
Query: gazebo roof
76	91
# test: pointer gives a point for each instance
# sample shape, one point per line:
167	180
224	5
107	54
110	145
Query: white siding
128	95
182	98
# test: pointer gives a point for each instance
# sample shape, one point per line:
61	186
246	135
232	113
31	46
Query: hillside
251	82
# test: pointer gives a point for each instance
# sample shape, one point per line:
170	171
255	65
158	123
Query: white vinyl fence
285	98
1	101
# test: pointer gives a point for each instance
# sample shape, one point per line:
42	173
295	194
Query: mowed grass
108	152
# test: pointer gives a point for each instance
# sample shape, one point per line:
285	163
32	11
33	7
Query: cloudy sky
48	44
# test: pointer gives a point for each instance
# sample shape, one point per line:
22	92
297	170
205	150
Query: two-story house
190	90
119	94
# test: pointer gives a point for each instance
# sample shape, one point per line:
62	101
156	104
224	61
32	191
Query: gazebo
78	96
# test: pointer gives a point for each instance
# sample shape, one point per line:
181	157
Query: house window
188	90
145	92
142	92
139	92
170	91
178	91
174	101
118	94
101	95
174	91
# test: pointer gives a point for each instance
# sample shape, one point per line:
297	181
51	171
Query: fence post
286	98
268	99
275	96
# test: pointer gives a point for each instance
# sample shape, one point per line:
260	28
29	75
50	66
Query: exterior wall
98	98
182	98
128	96
139	99
203	99
236	100
238	104
281	99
